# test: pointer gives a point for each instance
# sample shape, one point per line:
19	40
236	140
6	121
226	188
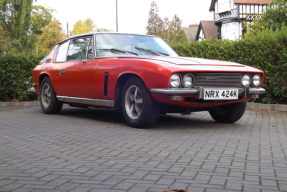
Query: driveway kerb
268	107
19	104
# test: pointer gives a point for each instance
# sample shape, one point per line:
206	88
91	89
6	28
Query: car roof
93	33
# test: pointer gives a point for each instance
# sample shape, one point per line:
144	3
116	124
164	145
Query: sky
132	14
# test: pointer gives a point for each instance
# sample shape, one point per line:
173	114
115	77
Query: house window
230	31
224	5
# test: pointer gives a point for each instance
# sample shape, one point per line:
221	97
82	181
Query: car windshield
109	45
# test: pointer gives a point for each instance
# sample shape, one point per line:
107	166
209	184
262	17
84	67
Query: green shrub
15	70
266	50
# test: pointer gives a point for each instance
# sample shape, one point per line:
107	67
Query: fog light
176	98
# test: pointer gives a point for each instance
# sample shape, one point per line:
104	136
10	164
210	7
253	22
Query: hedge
266	51
15	70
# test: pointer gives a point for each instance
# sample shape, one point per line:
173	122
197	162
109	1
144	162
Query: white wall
201	35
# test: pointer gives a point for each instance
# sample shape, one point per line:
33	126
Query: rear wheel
139	109
228	113
48	100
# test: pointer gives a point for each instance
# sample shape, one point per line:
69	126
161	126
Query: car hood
188	61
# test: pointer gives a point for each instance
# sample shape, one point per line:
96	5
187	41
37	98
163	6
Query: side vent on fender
106	84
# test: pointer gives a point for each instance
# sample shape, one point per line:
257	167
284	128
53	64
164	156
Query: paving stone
165	181
138	189
78	189
232	185
10	187
269	182
176	185
150	177
217	181
67	187
124	185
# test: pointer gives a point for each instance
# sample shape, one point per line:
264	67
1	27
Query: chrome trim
97	102
199	90
95	33
256	91
176	91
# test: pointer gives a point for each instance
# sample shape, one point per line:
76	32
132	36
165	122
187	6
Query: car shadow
173	121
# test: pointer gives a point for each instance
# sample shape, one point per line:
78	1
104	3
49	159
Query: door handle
85	61
62	72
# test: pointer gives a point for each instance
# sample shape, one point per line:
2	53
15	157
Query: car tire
48	100
139	108
228	113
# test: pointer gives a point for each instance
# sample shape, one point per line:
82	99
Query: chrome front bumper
199	91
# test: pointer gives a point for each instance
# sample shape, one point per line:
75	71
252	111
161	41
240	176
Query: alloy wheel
133	102
46	95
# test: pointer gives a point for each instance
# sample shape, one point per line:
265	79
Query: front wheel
48	100
140	110
228	113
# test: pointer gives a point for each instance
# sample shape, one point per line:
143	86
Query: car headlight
175	81
246	80
256	80
188	81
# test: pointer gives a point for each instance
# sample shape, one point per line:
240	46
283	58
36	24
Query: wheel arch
119	85
41	77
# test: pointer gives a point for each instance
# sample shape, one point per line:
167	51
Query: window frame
91	41
69	40
87	48
56	54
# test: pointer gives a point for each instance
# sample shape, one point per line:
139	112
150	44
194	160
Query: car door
78	72
55	68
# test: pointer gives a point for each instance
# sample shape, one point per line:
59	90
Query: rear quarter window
62	52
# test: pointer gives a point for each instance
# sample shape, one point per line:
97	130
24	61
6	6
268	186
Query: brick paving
91	150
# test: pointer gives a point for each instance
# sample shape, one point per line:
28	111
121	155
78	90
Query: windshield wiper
151	51
119	50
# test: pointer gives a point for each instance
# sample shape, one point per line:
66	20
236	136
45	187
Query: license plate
220	94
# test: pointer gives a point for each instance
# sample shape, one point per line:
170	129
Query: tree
155	23
3	41
171	31
40	17
15	17
175	33
83	27
274	17
51	35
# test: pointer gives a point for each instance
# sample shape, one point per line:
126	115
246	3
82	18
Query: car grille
218	80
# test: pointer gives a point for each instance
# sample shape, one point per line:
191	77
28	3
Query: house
206	30
230	14
191	32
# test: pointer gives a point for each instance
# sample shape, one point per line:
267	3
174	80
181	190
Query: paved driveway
91	150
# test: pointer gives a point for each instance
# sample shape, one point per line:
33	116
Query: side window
62	51
78	49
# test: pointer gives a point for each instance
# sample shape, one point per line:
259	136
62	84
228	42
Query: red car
141	77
